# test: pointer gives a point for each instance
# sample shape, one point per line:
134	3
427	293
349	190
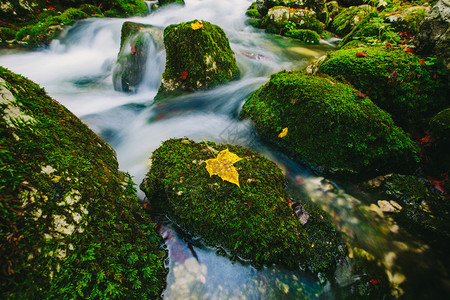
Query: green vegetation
253	222
305	35
167	2
196	59
410	89
330	125
70	223
252	12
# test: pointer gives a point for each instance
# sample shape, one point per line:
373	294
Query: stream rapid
76	70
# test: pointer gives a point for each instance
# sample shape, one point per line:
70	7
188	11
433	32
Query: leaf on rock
283	133
197	25
223	166
184	75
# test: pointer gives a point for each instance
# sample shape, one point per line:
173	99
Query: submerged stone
198	57
138	42
397	81
71	222
254	221
331	126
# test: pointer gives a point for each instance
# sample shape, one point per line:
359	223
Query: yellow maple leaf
283	133
197	25
223	166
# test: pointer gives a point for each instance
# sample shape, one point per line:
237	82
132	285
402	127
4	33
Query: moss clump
304	35
167	2
424	213
70	223
253	222
329	125
252	11
91	10
348	18
196	59
7	34
397	81
280	18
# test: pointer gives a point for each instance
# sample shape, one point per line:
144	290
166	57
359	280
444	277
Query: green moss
280	18
167	2
305	35
203	54
253	222
75	225
349	18
252	12
7	34
411	91
410	22
91	10
329	125
440	125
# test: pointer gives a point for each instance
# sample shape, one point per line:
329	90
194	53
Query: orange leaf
184	75
361	54
197	25
283	133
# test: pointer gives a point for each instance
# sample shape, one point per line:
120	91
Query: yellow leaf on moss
283	133
223	166
197	25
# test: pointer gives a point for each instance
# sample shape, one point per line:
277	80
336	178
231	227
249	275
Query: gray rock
433	37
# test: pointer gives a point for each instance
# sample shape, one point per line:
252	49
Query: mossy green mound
71	225
281	18
399	82
330	126
253	222
196	58
305	35
167	2
348	18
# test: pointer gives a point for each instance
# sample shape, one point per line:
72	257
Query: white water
77	71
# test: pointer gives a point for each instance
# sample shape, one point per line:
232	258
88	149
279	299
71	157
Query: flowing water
77	71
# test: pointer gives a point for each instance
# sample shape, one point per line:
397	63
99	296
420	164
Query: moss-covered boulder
407	19
253	221
436	146
167	2
138	42
348	18
70	223
411	89
198	57
331	126
281	18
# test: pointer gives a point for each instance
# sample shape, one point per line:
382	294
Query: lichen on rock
196	59
253	221
332	127
70	220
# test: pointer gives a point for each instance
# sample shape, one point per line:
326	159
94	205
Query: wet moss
252	222
167	2
330	127
70	222
348	18
399	82
305	35
252	11
196	59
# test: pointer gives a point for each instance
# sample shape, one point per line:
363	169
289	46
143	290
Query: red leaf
133	49
438	184
361	95
425	140
361	54
184	75
409	50
374	281
421	61
388	45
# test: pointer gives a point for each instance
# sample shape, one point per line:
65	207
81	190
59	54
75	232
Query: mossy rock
135	47
253	12
7	34
252	222
304	35
437	149
91	10
330	126
280	18
425	213
397	81
349	18
167	2
196	59
71	225
408	19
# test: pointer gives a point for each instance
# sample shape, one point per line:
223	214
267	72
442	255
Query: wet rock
68	214
198	57
254	221
279	17
138	42
331	128
433	37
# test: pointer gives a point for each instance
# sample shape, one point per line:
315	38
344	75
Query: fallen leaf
222	166
283	133
374	281
197	25
409	50
133	50
425	140
361	95
361	54
438	184
184	75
